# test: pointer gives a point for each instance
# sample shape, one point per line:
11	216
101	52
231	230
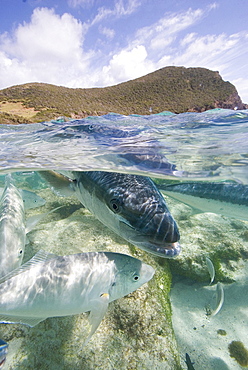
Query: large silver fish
50	285
12	228
227	199
130	205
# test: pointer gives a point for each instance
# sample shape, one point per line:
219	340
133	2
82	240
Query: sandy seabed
201	336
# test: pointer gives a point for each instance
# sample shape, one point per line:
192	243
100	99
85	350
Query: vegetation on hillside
12	119
176	89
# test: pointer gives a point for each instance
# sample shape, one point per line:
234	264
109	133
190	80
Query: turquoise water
137	334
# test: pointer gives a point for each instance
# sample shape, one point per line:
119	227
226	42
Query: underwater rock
136	332
239	352
222	239
221	332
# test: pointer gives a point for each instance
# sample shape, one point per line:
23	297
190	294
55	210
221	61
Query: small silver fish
211	269
49	285
219	299
130	205
3	352
30	199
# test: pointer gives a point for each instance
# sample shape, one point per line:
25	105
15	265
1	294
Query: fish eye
160	209
20	251
115	205
136	277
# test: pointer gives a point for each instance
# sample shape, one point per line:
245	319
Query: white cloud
47	36
48	49
76	3
163	32
127	64
120	9
131	6
204	50
108	32
216	52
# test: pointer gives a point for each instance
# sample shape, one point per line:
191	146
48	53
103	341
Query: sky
97	43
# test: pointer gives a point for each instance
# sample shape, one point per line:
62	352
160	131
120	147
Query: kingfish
14	226
130	205
227	199
49	285
144	156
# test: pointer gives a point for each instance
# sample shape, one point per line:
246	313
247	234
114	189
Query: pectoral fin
100	307
33	220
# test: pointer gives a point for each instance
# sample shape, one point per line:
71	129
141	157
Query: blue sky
94	43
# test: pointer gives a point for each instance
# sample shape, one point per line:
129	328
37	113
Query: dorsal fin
40	257
8	179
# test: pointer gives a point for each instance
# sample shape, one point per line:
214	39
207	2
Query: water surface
211	146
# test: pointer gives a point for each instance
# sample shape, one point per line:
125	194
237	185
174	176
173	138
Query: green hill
176	89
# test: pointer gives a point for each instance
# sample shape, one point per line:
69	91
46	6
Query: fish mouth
147	242
165	250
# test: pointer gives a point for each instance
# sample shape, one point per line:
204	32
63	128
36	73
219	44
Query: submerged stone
239	352
222	239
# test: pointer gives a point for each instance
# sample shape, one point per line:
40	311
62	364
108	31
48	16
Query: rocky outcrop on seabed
222	239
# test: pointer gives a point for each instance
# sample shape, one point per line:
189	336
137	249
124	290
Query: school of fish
49	285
